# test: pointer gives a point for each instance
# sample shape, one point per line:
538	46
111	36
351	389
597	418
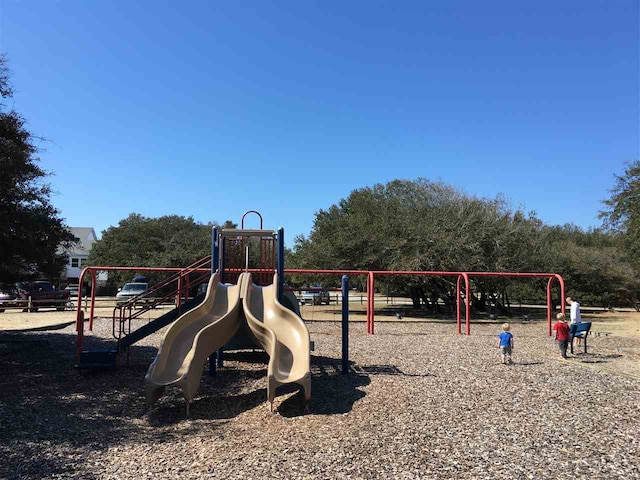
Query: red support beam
549	305
371	303
467	303
93	297
458	299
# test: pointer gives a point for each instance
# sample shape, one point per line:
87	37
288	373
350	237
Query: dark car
42	294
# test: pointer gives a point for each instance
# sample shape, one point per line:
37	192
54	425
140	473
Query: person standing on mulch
575	311
562	334
506	344
576	317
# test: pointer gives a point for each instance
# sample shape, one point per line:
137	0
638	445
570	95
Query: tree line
425	225
139	241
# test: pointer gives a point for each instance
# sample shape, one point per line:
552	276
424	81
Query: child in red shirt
562	334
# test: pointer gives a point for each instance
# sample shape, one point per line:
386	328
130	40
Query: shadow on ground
49	408
332	393
595	357
52	416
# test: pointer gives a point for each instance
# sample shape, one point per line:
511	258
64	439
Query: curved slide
282	334
193	337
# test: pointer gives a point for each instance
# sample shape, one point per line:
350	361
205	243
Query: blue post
220	357
212	364
345	324
215	250
222	253
215	264
280	267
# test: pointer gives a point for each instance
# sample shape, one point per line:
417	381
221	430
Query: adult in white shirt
575	314
575	310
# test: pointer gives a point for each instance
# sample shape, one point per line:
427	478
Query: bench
579	330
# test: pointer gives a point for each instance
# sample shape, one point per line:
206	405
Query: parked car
73	290
42	293
130	290
7	296
316	297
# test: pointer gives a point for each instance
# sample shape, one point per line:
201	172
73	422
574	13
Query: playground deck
421	402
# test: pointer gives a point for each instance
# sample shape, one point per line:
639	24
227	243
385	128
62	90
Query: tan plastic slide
192	338
282	334
200	332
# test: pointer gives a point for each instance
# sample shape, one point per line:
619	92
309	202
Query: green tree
424	225
419	225
32	230
622	214
138	241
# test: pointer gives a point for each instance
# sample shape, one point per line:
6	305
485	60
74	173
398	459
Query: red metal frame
466	276
179	273
551	277
124	312
266	260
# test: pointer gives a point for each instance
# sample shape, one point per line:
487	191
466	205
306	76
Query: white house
79	252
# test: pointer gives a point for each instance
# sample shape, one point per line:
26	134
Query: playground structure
234	313
219	319
242	308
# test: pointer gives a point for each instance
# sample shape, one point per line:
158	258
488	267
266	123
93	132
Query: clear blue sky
210	109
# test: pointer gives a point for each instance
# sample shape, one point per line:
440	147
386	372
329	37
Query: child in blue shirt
506	344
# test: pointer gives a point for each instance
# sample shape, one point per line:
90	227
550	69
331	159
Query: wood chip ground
420	402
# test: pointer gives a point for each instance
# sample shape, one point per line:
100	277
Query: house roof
87	236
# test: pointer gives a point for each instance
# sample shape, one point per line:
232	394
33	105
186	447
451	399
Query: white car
315	297
130	290
73	290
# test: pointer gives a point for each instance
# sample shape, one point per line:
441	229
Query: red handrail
187	270
129	305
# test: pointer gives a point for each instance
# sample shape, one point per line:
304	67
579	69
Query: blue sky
210	109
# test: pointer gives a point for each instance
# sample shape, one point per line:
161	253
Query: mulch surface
420	402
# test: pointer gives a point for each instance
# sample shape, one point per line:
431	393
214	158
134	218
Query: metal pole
80	331
372	302
80	324
220	355
215	250
458	309
467	289
212	364
345	325
93	296
280	266
562	293
368	304
223	252
549	305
